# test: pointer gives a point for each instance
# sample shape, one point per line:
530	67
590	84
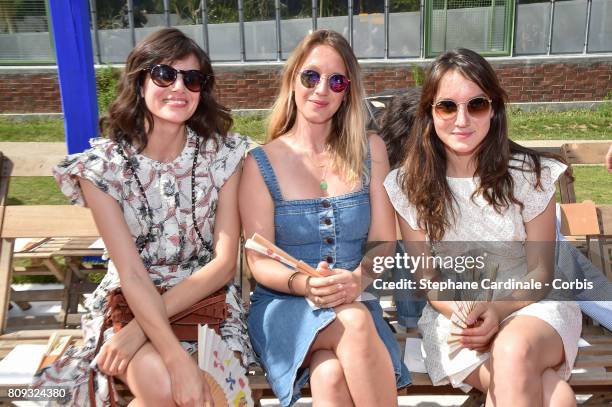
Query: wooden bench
57	255
591	153
64	221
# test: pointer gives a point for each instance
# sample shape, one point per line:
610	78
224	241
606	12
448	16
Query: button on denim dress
283	327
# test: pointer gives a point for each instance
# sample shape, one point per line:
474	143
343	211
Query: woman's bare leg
365	361
520	369
148	379
557	392
327	382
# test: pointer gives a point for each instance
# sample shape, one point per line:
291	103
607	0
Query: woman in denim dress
314	190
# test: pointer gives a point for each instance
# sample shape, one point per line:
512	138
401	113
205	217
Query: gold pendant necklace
323	183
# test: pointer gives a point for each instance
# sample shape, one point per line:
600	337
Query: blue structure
74	56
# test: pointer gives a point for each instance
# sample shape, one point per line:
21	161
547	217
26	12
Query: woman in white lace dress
163	190
463	180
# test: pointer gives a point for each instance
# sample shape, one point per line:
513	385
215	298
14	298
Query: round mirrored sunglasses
337	82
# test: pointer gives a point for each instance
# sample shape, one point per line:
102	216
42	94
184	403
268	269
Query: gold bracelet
306	286
290	282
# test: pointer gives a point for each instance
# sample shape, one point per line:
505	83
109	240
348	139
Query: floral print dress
173	251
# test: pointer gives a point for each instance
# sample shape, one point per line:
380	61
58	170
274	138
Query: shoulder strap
267	172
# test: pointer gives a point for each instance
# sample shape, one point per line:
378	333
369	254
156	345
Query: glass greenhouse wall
268	30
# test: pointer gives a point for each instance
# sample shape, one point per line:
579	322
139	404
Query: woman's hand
117	352
189	389
486	317
336	287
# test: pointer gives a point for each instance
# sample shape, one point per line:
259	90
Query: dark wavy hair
128	116
395	123
423	178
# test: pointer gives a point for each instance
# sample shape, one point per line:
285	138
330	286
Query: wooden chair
52	221
580	154
604	215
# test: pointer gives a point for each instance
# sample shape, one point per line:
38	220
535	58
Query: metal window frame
425	40
51	61
508	30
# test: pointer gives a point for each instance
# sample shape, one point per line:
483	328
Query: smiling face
464	132
174	104
320	103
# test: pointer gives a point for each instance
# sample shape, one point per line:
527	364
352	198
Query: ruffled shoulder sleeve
399	200
535	198
101	164
228	157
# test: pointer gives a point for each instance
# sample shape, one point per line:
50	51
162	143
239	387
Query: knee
356	320
328	375
154	387
513	356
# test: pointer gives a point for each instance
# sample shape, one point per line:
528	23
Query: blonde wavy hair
347	141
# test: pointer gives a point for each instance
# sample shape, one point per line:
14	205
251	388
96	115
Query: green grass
590	182
253	126
542	125
35	191
571	125
32	130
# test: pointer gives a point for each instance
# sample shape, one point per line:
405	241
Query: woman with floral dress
162	189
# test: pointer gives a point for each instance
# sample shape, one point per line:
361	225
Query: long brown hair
128	116
347	141
423	178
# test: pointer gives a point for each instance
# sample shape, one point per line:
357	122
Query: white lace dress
478	221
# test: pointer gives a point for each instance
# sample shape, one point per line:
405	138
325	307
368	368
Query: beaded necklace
142	244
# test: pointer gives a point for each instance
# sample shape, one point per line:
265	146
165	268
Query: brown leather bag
211	310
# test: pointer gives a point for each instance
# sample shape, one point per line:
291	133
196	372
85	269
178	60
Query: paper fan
261	245
225	375
463	308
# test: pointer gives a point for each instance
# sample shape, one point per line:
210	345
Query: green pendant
323	185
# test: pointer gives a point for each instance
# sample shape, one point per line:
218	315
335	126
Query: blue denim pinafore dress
282	327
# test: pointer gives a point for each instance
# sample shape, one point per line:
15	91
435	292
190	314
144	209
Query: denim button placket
327	232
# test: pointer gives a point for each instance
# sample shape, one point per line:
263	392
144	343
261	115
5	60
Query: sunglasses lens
163	75
446	109
478	106
310	78
338	83
194	80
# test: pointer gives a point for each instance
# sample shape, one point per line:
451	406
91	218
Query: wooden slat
604	213
579	219
6	250
40	334
48	221
593	360
38	295
586	153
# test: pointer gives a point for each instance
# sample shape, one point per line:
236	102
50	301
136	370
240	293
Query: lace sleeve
535	199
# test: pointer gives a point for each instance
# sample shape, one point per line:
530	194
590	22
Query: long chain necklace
141	244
